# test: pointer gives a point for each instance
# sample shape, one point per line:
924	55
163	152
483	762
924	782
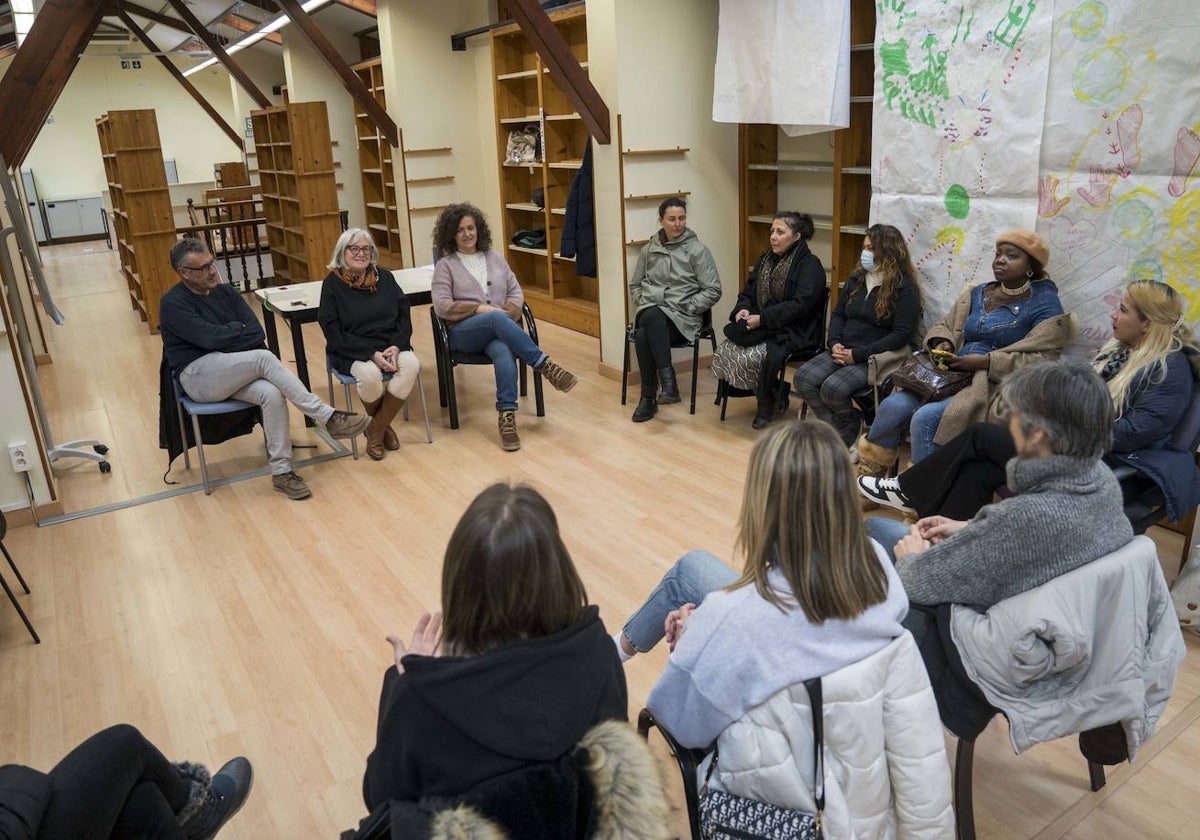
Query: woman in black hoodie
525	666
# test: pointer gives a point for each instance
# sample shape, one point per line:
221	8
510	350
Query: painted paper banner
1119	192
960	96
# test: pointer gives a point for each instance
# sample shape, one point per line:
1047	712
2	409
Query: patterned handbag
727	816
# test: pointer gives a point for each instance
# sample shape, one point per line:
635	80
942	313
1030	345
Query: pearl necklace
1018	291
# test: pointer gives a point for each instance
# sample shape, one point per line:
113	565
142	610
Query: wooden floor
246	623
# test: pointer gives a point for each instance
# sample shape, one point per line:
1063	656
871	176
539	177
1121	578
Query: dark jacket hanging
579	226
214	427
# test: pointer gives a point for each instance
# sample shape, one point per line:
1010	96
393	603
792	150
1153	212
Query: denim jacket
1008	323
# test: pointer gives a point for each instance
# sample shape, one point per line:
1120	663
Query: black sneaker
884	491
226	795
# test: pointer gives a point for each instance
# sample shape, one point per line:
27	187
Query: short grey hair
344	241
185	246
1066	400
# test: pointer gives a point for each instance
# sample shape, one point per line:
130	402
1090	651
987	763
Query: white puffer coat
886	773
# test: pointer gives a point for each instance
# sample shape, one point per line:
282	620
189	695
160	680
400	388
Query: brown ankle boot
561	379
509	440
391	407
374	432
876	461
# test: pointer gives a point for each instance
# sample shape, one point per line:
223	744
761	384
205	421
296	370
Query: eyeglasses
359	250
201	269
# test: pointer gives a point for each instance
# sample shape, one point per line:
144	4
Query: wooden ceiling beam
564	67
39	71
350	80
213	44
241	24
118	6
366	7
179	77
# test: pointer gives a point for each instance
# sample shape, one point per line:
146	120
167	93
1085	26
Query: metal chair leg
20	612
346	393
964	805
424	408
1096	775
629	334
13	566
187	462
451	396
200	455
695	371
538	399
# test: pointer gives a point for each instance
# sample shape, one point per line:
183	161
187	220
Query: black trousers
961	477
652	340
116	785
767	391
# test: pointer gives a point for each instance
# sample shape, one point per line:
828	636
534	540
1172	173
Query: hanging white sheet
783	62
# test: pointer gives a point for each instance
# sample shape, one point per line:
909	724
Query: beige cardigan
456	294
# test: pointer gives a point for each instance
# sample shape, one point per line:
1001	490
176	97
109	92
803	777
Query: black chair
17	572
1144	502
447	359
725	390
706	331
688	760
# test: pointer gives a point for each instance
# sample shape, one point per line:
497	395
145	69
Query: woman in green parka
674	284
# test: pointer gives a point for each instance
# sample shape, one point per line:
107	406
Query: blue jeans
500	338
886	532
693	576
904	408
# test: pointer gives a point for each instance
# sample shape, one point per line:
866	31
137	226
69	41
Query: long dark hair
893	263
507	575
447	225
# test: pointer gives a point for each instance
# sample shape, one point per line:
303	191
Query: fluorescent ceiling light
250	38
23	14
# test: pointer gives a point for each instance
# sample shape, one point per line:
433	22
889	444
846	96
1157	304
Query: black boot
781	406
646	408
766	408
670	388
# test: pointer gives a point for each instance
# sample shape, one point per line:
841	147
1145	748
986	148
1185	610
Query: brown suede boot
509	440
374	432
560	378
876	461
387	412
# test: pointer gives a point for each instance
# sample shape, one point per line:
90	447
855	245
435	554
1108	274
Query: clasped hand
676	621
928	531
385	360
752	321
426	639
842	355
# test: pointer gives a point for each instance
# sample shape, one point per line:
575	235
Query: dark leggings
961	477
116	785
653	339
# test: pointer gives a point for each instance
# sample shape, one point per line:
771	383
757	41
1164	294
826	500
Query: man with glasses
215	345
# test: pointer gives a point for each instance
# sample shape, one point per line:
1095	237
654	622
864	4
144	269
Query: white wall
311	79
264	66
438	98
65	157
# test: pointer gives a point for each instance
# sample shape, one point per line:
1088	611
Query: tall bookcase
295	170
525	95
143	222
378	161
837	179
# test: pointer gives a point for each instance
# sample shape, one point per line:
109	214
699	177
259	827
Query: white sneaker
884	491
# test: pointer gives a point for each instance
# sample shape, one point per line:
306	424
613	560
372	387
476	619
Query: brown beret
1027	241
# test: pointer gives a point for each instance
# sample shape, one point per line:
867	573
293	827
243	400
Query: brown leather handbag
920	375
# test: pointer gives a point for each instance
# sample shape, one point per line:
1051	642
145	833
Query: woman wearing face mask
878	310
674	284
777	314
1151	366
993	329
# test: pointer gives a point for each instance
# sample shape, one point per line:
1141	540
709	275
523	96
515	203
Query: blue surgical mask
868	260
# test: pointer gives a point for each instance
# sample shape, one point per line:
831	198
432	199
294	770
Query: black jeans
652	340
116	785
961	477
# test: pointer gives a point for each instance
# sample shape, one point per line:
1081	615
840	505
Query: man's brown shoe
509	439
561	379
291	485
343	424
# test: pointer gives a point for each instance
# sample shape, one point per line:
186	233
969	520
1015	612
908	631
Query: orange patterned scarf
367	281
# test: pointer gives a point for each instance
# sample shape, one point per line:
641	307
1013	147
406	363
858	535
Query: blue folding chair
195	409
350	381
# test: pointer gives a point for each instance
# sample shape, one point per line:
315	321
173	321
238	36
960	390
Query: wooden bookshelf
840	176
230	174
299	191
379	161
142	219
526	94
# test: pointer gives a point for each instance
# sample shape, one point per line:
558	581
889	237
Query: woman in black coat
368	334
777	314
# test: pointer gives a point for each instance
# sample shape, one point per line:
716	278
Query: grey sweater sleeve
967	567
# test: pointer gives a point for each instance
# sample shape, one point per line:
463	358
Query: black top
357	323
448	723
796	319
195	325
853	323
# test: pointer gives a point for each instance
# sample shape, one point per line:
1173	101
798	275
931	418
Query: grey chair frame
349	381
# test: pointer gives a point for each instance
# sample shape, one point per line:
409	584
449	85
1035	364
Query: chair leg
695	371
346	392
20	612
200	455
187	462
723	396
13	566
1096	775
625	365
521	366
964	806
451	396
424	408
538	399
329	377
687	769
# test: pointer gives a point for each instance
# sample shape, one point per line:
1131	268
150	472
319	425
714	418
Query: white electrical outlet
18	453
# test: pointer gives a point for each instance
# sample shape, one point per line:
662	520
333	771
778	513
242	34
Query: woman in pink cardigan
479	297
